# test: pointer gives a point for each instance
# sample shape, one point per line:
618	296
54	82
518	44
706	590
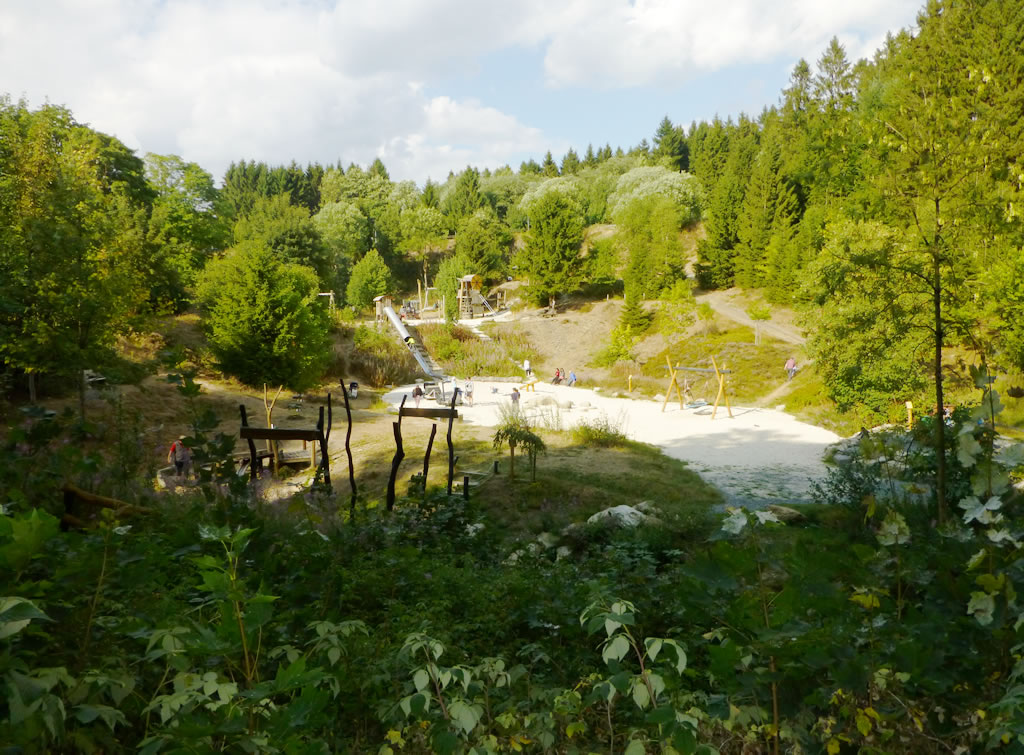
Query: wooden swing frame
673	384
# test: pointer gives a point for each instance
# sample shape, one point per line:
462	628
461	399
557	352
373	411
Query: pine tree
549	168
570	163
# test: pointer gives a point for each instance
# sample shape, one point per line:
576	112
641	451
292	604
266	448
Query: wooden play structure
684	390
435	414
320	434
380	306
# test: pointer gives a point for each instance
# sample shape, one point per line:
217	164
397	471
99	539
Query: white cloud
221	80
456	134
618	43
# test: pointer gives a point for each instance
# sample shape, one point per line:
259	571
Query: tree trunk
940	421
81	396
512	463
32	397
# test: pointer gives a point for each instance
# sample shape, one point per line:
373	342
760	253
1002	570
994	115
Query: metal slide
410	342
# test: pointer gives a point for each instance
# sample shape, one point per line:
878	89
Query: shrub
602	432
380	359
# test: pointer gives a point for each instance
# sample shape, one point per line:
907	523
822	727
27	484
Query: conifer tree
549	168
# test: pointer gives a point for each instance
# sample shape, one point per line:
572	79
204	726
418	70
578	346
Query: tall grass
462	352
380	358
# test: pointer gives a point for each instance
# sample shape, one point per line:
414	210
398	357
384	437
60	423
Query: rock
547	539
841	459
565	404
473	529
585	404
658	397
623	516
564	551
785	514
531	549
647	508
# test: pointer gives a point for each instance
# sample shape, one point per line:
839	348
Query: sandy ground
756	457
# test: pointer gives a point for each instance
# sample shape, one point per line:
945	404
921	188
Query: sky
427	86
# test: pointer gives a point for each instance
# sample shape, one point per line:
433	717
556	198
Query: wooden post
397	460
910	415
673	383
426	456
272	445
325	460
722	393
465	487
348	447
253	458
451	450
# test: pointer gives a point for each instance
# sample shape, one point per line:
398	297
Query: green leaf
653	645
968	450
28	534
615	649
577	727
894	529
983	513
635	747
735	521
420	679
641	696
465	716
662	715
982	606
445	742
16	614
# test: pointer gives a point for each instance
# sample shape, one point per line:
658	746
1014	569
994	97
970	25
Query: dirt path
727	304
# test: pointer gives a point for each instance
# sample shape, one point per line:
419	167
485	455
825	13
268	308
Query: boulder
564	551
622	515
785	513
647	508
547	539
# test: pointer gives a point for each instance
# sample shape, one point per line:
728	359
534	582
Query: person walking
790	368
468	388
572	379
515	397
180	455
417	394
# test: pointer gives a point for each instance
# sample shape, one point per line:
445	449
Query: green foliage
380	358
870	322
73	262
602	432
290	233
186	227
481	242
552	255
514	431
264	320
370	278
462	352
346	233
678	311
451	269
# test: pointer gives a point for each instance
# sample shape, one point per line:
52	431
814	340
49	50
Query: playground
756	457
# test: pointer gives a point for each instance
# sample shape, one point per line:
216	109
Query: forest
879	200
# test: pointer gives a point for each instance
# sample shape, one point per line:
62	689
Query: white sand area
757	457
